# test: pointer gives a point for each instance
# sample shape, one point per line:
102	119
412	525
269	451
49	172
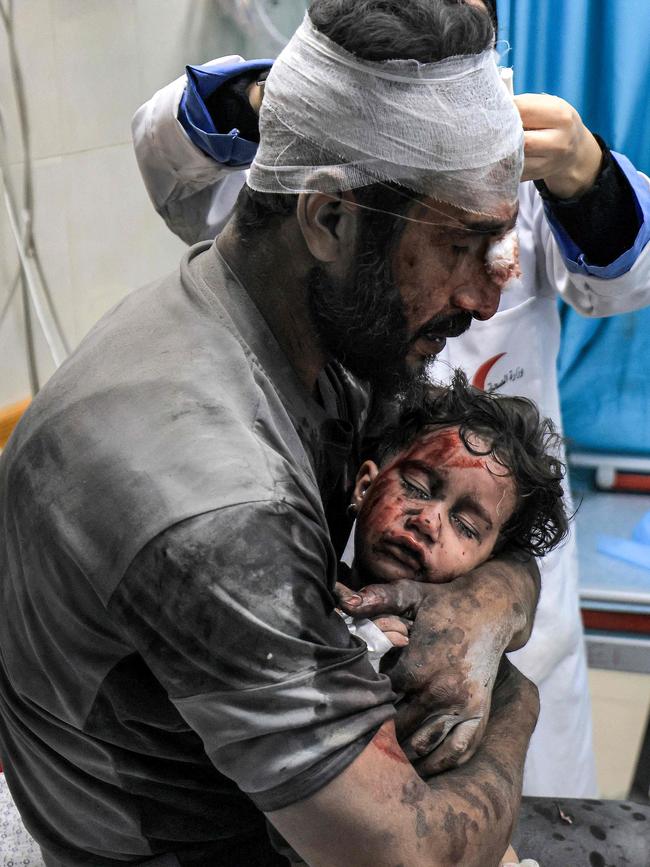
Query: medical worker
583	233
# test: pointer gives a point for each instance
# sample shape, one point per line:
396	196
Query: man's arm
232	612
448	670
379	813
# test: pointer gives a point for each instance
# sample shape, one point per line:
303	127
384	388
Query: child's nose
426	522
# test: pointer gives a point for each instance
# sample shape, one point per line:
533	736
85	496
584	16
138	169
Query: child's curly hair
518	438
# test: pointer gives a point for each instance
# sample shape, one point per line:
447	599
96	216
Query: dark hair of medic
517	437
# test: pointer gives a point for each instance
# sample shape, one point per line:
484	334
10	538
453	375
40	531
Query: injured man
460	476
174	622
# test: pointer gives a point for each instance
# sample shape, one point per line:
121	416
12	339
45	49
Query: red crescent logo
481	374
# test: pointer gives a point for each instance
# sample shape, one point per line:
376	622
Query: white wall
88	64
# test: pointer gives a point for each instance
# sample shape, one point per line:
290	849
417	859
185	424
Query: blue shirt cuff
229	149
576	261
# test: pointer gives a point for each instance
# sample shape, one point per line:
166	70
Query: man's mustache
445	326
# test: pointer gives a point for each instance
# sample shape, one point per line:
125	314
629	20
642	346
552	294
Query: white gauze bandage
332	122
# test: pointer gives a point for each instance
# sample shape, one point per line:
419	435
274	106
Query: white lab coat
517	348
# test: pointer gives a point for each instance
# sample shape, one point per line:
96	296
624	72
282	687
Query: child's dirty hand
396	629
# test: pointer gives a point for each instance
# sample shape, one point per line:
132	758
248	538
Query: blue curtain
596	55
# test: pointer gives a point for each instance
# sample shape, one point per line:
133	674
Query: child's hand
396	629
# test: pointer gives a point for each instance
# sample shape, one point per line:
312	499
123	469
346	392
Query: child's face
434	512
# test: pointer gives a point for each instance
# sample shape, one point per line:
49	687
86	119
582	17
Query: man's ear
368	472
328	224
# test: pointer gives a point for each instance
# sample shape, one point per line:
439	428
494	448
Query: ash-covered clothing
171	663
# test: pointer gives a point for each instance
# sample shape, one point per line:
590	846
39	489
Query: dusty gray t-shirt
170	657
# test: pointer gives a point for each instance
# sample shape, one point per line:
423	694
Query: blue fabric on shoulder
575	259
229	149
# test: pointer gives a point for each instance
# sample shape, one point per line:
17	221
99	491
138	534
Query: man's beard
361	321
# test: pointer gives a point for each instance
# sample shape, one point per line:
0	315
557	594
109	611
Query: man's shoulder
155	418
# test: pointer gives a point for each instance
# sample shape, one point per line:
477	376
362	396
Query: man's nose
481	297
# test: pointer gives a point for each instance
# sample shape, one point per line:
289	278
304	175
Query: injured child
461	475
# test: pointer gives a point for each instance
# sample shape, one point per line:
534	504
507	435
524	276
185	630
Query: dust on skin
462	791
413	794
518	609
441	268
458	826
495	797
444	249
434	512
501	771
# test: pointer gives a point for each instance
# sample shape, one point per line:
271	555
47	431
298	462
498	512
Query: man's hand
448	670
463	817
558	147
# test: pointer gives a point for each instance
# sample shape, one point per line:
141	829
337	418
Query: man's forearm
460	632
379	813
516	582
481	798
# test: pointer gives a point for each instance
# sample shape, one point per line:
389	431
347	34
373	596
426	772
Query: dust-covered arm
379	813
448	670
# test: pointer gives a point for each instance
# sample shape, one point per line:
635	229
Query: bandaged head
332	122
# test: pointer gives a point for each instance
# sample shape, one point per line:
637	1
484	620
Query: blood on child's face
434	512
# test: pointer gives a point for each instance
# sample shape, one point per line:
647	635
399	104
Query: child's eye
414	490
465	529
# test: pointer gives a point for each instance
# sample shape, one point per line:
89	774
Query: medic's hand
448	670
558	147
256	92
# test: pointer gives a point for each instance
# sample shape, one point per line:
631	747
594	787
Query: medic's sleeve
234	615
193	172
603	231
604	289
198	111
